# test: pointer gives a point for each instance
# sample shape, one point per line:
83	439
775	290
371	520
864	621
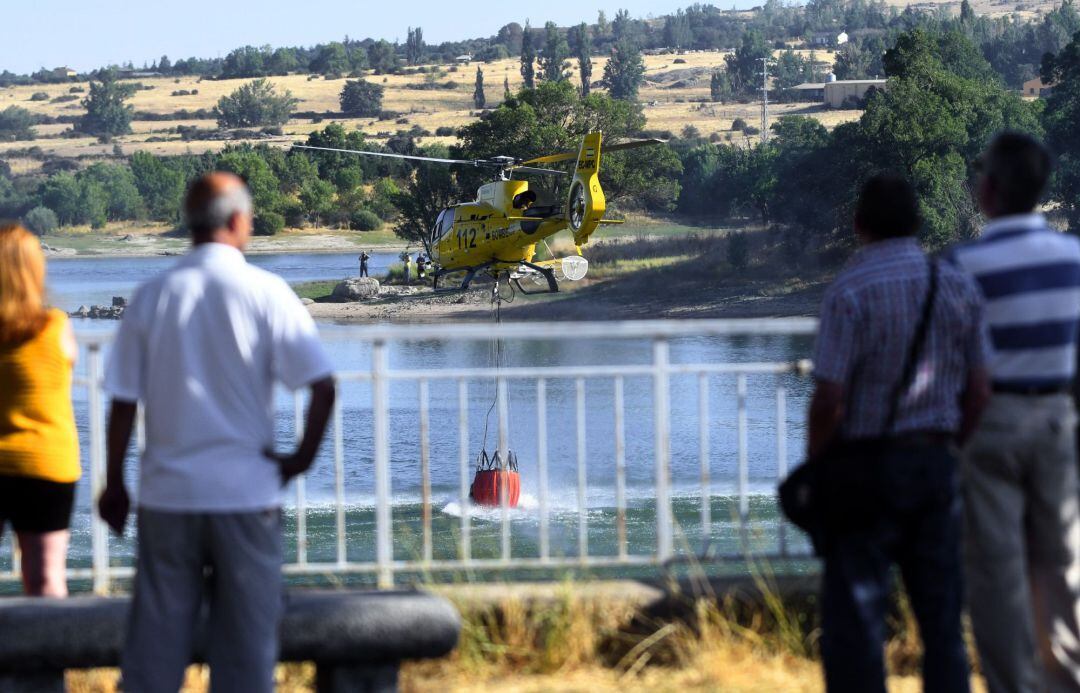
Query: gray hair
212	213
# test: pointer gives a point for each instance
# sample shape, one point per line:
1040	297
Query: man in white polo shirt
201	347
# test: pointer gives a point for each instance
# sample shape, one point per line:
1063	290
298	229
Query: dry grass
667	107
567	642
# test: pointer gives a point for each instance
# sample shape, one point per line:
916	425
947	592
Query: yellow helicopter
498	232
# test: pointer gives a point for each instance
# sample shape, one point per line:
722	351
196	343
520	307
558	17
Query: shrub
444	131
253	104
268	223
16	124
751	130
65	98
76	90
738	250
738	124
41	220
39	96
679	61
388	115
365	220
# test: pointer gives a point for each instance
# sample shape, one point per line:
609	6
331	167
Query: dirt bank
678	291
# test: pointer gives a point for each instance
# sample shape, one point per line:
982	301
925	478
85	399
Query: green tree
382	57
41	220
556	51
107	114
624	72
579	37
427	192
677	31
164	65
361	99
720	89
317	197
248	61
414	46
60	193
478	91
744	65
255	104
248	163
282	62
528	58
123	200
1062	121
332	60
16	123
160	186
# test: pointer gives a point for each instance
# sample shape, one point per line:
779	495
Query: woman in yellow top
39	448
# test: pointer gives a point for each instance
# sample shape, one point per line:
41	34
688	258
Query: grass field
674	95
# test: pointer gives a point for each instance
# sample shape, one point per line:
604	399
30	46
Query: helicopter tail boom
585	203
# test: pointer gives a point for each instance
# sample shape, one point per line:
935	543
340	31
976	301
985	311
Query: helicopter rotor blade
533	169
389	155
570	156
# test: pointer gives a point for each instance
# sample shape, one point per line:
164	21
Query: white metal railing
379	377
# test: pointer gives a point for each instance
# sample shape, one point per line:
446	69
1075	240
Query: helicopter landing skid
547	272
470	274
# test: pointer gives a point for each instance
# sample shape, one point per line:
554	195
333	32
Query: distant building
1036	88
838	93
841	38
464	59
822	39
841	92
64	73
813	92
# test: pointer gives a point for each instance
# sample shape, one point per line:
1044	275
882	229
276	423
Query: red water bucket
488	486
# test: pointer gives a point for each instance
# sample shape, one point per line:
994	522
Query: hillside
675	94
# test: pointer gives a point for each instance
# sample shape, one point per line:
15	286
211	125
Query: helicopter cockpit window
445	222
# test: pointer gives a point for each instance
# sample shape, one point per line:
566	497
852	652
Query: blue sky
86	34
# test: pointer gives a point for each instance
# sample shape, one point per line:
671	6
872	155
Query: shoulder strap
911	361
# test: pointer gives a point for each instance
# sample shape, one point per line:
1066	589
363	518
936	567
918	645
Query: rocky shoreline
113	312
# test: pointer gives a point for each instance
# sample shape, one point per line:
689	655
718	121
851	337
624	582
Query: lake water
85	281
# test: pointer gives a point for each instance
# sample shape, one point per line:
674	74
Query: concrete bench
357	640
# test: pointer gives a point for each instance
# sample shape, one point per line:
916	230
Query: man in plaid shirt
906	484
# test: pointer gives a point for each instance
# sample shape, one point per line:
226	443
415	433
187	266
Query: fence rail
379	376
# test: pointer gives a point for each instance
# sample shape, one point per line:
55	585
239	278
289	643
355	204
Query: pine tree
528	58
414	46
478	93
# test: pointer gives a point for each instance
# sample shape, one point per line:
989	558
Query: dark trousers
915	527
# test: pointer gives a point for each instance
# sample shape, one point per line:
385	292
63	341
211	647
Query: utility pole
764	99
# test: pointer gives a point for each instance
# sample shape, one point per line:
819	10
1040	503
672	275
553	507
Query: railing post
662	435
339	482
99	532
541	463
380	406
703	454
582	498
301	488
744	467
425	471
502	395
463	468
620	466
781	449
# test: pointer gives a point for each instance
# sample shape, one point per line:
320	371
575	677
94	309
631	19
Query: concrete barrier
357	640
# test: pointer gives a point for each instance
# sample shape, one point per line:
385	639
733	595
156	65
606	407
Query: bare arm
323	394
826	414
114	503
973	402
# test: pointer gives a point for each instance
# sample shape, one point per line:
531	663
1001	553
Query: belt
1031	390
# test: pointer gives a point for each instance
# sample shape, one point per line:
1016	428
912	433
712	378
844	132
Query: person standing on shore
201	347
1020	469
407	259
39	447
364	257
900	377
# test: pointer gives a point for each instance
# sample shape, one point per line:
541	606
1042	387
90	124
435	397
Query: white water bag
575	267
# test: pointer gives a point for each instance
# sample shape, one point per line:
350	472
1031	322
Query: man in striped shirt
1020	468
